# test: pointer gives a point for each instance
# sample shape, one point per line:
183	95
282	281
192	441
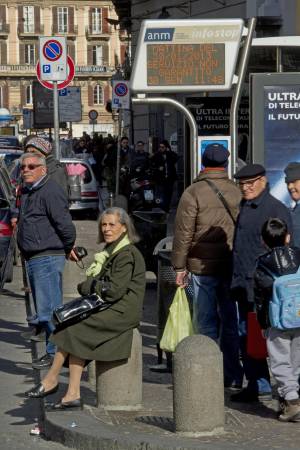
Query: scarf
101	257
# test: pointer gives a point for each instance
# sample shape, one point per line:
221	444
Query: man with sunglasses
257	206
45	237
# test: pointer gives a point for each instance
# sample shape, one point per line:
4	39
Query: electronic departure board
185	64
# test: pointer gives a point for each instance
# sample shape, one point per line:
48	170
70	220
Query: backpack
284	306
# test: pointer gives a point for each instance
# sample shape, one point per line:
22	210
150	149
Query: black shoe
68	406
233	386
44	362
247	396
39	391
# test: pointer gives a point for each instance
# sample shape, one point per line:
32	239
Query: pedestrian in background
257	206
45	237
202	246
163	164
292	179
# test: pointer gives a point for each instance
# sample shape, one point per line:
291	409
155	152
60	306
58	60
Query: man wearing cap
46	236
55	170
292	179
202	246
257	206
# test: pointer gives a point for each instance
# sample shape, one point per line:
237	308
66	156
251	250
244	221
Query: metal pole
192	123
279	65
119	153
237	96
56	120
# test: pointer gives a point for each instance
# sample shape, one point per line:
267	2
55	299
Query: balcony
4	30
17	69
92	35
36	32
70	34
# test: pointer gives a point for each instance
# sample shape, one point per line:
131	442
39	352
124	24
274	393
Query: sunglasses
30	166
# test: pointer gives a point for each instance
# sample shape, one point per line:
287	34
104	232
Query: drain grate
166	423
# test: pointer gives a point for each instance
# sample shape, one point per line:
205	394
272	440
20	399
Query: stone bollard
91	369
119	383
198	397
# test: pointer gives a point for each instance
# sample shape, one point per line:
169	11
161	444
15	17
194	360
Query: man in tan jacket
202	246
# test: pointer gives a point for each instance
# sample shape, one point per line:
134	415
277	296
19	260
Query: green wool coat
107	335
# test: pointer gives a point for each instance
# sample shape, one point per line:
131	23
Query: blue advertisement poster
282	134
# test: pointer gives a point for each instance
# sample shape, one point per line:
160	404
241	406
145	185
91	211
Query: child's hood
281	260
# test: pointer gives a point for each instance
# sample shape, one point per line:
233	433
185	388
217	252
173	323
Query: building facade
95	45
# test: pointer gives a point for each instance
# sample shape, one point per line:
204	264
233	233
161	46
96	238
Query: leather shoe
39	391
68	406
44	362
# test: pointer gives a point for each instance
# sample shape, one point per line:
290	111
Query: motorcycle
143	193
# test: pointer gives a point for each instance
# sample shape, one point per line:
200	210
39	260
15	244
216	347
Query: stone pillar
119	383
198	396
91	369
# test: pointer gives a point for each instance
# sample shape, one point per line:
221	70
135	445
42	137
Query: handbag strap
221	197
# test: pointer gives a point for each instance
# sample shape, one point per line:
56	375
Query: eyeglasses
248	183
30	166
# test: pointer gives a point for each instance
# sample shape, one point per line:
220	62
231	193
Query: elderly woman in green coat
118	276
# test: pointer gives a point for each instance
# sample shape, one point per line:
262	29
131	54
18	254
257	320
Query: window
62	17
28	97
98	95
29	54
1	97
28	17
96	20
97	55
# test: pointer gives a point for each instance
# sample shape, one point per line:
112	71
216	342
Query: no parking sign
121	95
53	58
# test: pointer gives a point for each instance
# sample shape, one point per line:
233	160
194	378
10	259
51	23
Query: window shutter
89	55
90	95
106	94
20	19
23	96
3	52
36	52
54	20
71	50
123	53
71	28
37	19
5	96
22	53
3	14
105	24
90	19
105	55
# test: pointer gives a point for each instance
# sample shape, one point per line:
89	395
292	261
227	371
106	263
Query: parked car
10	156
83	185
7	240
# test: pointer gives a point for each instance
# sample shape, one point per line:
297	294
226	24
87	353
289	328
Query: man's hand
181	279
13	223
72	256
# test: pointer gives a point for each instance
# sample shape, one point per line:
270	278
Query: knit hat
39	144
292	172
215	155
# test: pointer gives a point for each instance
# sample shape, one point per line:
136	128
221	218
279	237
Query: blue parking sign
46	68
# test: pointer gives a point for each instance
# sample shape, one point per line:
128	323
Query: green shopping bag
179	322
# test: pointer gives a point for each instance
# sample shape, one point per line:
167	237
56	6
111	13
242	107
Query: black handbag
77	310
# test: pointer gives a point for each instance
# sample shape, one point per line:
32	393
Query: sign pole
56	120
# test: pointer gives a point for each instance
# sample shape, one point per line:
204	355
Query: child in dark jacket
283	345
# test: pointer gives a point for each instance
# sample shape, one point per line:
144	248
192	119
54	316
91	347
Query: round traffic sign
121	89
62	84
52	50
93	114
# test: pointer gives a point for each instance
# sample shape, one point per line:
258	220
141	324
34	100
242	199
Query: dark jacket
56	171
107	335
248	245
203	228
295	213
279	261
45	224
163	165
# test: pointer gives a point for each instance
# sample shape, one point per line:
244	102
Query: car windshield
9	158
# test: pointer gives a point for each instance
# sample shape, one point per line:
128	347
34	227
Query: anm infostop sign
186	55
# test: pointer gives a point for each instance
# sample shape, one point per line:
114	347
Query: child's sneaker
291	411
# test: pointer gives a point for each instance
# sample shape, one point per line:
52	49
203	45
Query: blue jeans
45	277
215	316
256	370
